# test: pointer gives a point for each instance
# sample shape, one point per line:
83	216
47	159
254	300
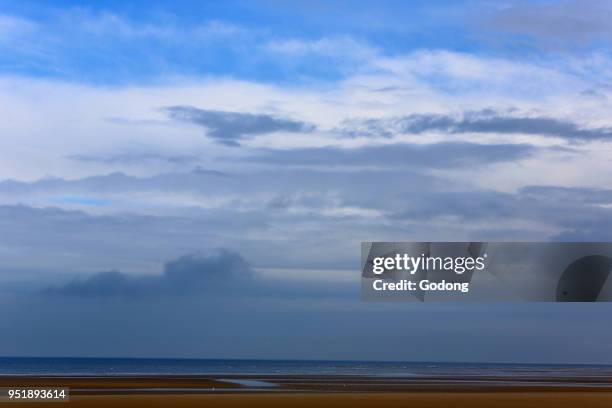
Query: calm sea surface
138	366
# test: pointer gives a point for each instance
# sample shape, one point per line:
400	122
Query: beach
309	391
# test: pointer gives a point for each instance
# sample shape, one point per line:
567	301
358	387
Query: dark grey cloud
400	155
220	270
215	275
229	128
325	212
301	217
485	121
271	203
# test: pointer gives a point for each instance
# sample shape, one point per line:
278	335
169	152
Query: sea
35	366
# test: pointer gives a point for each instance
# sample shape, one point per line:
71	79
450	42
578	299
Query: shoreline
307	383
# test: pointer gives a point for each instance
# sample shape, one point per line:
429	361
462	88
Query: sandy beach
309	391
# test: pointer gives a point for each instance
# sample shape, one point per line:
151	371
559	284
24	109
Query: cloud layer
428	156
229	128
189	274
485	121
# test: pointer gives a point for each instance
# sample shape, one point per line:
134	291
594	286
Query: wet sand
322	391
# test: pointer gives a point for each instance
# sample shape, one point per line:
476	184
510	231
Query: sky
194	179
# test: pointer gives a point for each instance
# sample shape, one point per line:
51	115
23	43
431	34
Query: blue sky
262	142
146	41
119	42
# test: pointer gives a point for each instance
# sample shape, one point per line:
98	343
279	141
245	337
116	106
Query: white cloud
113	25
332	47
48	121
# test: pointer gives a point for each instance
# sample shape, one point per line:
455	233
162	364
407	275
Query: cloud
338	50
400	155
106	24
196	273
484	121
326	213
214	275
560	20
571	214
119	182
578	195
591	218
229	128
135	158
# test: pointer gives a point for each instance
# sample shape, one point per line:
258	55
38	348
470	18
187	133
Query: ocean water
141	366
